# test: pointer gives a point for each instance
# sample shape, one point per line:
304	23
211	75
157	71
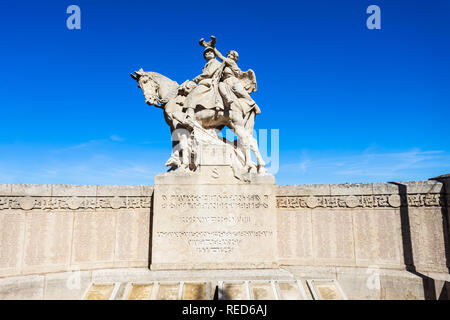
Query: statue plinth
209	219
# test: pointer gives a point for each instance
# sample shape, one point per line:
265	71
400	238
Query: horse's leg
181	152
237	125
174	160
241	128
185	150
259	159
250	121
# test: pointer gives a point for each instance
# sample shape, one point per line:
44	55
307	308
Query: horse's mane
171	87
157	77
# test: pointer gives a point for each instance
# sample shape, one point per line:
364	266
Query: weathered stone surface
326	290
147	191
94	239
304	190
315	228
111	191
294	230
31	189
442	290
22	288
12	230
168	291
333	237
132	239
212	226
357	283
5	189
234	291
119	291
140	291
67	285
310	272
135	275
289	290
59	190
360	283
384	188
351	189
378	237
195	291
395	287
427	238
427	186
100	292
142	275
261	290
48	239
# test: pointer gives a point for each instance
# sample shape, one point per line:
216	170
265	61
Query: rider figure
231	86
205	79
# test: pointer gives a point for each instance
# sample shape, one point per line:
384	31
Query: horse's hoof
172	162
262	170
250	168
183	168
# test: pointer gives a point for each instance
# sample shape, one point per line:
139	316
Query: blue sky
350	104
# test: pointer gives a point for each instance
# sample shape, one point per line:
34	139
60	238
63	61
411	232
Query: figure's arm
229	62
219	55
202	76
198	78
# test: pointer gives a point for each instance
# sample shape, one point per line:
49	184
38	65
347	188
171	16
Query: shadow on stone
429	287
445	292
150	238
216	293
445	191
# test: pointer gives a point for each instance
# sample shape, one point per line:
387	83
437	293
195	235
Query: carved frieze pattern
283	202
361	201
73	203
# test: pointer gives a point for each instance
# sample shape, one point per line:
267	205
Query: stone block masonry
58	228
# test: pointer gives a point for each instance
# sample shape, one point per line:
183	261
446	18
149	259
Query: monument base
211	220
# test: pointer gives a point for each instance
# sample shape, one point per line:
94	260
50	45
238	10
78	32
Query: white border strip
296	283
155	292
315	294
130	285
270	282
113	293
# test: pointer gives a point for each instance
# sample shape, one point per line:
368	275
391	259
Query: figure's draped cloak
204	94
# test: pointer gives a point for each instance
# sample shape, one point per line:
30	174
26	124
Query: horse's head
149	87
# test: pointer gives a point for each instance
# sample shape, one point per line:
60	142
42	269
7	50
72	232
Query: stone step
317	289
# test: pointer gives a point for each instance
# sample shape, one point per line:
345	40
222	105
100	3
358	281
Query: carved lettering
214	201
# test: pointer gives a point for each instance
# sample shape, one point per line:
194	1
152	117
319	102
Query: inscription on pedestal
200	226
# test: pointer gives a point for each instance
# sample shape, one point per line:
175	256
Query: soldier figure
203	94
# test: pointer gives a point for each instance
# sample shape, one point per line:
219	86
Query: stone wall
52	228
385	225
57	228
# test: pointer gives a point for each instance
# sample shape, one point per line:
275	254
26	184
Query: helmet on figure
208	49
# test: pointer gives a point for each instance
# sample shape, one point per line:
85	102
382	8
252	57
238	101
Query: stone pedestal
211	220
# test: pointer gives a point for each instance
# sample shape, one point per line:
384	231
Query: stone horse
167	94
